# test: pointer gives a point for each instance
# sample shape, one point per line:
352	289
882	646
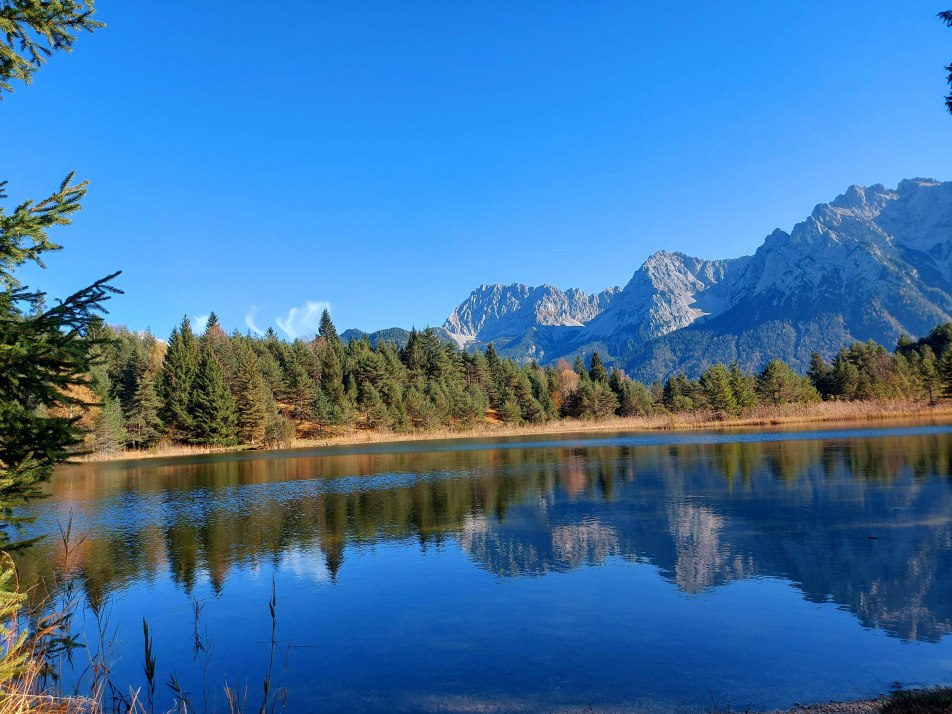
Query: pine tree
633	399
778	384
927	372
743	386
332	378
109	434
579	368
300	390
252	398
179	369
945	373
597	371
327	329
678	393
376	412
819	374
216	341
46	360
32	28
213	412
143	424
946	17
716	382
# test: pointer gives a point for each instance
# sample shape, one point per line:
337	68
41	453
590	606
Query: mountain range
872	264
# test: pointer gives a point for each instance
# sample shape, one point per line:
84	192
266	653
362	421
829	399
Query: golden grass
791	415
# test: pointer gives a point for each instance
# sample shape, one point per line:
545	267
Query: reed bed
37	638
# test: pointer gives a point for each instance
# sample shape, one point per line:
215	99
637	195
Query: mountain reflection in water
864	523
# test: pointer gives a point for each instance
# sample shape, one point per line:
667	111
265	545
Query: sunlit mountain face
874	263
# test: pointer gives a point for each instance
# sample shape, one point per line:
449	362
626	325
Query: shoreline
878	413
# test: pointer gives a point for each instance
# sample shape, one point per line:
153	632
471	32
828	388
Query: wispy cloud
303	321
201	321
250	318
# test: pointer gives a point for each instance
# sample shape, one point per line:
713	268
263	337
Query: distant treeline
221	390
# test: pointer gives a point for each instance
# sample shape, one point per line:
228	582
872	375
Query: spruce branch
31	30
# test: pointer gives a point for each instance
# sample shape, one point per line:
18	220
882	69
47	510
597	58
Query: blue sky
386	158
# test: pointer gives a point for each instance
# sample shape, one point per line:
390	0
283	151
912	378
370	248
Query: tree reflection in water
864	522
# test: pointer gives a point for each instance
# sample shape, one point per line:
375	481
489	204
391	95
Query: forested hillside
217	389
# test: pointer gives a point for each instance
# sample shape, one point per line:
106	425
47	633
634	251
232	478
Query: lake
618	571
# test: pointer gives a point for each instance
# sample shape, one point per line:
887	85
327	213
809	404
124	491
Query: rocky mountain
502	311
872	264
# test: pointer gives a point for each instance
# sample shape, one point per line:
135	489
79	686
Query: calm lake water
542	574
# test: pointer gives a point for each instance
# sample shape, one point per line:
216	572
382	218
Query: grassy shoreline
787	415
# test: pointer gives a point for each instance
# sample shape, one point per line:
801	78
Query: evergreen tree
109	434
253	401
327	329
510	411
819	375
946	17
927	372
945	373
45	358
33	29
716	382
743	386
179	369
633	399
579	368
375	411
778	384
678	392
143	425
597	371
300	390
332	379
215	340
213	412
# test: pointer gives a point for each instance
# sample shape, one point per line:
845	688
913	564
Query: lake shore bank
930	700
788	415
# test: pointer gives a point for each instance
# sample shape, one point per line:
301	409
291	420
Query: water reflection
866	523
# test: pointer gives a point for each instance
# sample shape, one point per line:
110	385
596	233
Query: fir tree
143	425
327	329
213	412
927	372
743	387
332	378
300	390
376	412
109	433
46	360
716	382
579	368
597	371
819	374
252	398
633	399
179	369
778	384
946	17
945	373
33	28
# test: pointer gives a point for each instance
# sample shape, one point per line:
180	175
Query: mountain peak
872	263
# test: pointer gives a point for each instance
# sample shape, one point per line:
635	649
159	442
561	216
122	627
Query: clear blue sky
387	158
